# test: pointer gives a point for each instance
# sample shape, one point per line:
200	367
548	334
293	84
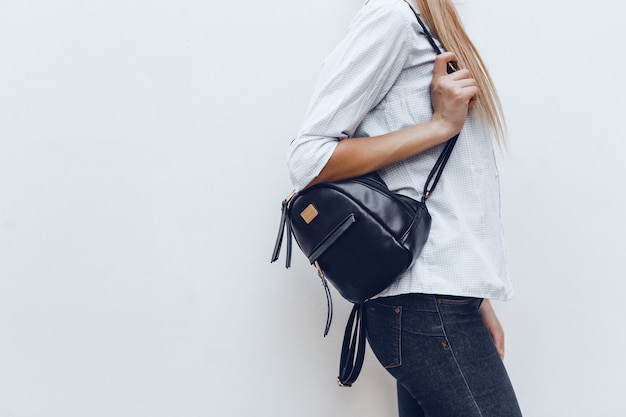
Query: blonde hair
443	20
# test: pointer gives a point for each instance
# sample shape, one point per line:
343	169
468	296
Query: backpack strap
437	170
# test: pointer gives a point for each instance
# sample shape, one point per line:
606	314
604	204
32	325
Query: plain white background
142	165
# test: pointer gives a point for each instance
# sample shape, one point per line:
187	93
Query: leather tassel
281	233
285	223
289	239
353	349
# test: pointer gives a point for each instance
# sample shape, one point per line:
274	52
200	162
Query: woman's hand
494	326
452	95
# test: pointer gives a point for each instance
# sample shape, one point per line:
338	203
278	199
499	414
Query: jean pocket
384	327
422	323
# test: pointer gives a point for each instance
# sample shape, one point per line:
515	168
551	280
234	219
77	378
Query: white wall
142	150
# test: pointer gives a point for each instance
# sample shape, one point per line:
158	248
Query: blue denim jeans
442	356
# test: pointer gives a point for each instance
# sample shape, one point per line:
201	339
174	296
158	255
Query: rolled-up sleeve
353	79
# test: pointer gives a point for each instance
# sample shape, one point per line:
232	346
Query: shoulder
383	16
399	6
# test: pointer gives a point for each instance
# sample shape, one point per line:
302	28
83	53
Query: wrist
442	129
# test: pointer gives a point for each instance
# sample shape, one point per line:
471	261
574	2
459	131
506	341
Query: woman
385	102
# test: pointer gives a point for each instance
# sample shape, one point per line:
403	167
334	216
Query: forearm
357	156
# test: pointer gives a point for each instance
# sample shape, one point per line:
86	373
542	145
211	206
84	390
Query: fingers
472	102
460	80
493	325
458	86
441	63
447	63
453	94
497	333
499	342
462	74
464	82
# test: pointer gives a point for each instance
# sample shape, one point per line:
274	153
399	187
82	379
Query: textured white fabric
377	81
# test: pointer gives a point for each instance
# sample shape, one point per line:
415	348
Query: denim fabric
442	356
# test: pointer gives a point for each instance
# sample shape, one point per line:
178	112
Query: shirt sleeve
353	79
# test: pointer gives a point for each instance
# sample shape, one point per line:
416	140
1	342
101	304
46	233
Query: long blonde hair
442	18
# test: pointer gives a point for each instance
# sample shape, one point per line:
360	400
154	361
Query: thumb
441	63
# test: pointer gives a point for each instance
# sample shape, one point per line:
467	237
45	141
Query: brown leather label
309	213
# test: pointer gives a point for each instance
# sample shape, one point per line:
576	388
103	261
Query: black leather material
363	237
353	348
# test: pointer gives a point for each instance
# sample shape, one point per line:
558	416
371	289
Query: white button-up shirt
377	81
